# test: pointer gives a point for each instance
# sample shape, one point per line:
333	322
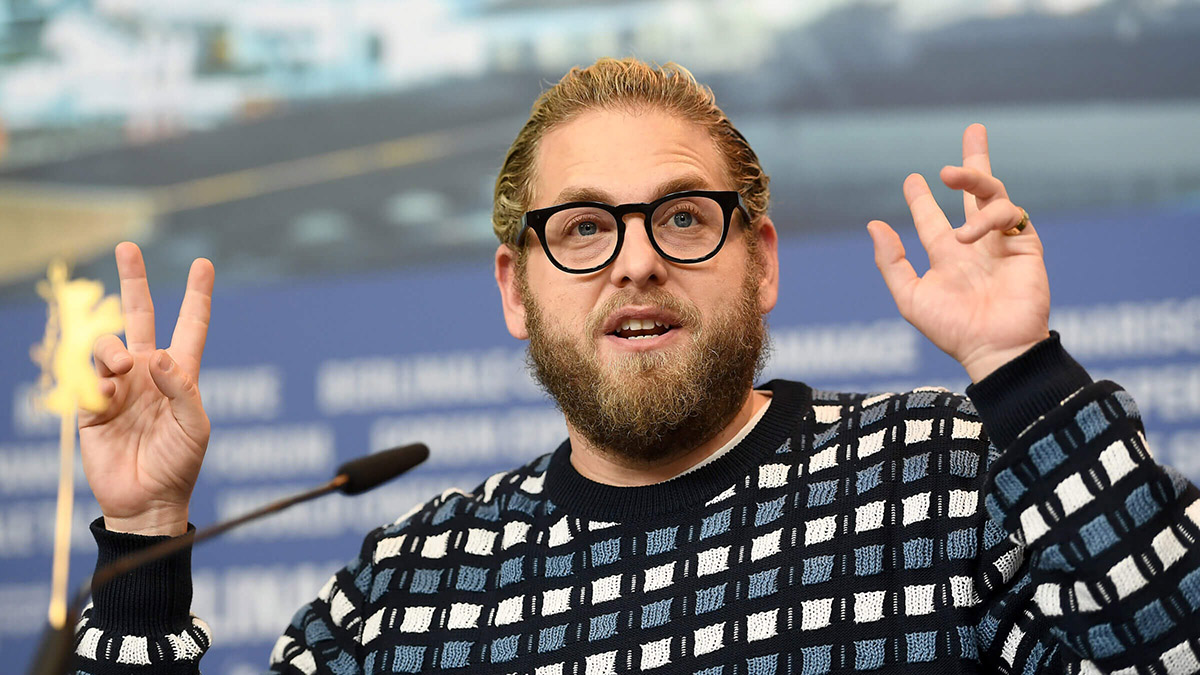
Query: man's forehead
618	156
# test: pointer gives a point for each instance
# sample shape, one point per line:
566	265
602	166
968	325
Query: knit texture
845	533
127	606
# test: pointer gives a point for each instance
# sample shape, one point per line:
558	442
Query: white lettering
254	603
464	439
32	468
423	380
881	347
24	607
27	527
254	393
277	452
1181	451
335	516
1130	329
1170	393
29	418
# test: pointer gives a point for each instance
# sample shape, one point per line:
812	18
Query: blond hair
612	83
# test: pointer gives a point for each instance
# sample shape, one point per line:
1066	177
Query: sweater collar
583	497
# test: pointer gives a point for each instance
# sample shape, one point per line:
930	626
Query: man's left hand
985	298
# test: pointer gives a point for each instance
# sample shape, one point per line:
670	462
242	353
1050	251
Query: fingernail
164	362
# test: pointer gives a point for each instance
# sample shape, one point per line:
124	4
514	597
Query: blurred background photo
335	159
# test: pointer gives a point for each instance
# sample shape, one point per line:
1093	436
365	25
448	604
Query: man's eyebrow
583	194
589	194
690	181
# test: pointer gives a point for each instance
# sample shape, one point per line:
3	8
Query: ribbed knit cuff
1026	388
153	599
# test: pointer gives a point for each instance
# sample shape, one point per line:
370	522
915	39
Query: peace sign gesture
985	298
142	454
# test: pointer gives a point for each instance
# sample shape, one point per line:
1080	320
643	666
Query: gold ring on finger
1020	226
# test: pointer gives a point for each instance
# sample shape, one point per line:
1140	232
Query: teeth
642	324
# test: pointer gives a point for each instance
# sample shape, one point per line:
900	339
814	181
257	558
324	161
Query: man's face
654	397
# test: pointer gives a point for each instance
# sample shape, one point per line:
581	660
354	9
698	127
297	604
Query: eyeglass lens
686	228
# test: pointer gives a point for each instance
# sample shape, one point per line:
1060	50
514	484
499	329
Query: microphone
353	478
368	471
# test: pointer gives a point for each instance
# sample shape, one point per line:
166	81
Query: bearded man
692	522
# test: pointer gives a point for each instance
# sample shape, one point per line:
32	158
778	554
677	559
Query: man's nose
637	264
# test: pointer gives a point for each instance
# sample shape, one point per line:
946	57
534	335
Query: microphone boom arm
175	544
354	477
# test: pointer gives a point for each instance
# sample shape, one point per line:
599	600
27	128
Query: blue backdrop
301	377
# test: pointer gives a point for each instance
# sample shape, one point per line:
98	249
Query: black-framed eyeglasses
683	227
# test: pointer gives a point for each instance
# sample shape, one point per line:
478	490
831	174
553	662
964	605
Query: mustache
688	313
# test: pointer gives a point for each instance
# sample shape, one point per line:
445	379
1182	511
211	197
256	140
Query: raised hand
142	454
985	298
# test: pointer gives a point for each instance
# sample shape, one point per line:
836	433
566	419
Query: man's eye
683	219
586	228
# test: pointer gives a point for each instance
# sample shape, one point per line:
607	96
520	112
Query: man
692	523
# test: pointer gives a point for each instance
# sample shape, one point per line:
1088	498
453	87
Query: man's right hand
143	453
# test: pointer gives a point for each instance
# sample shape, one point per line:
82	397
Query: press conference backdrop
339	175
302	377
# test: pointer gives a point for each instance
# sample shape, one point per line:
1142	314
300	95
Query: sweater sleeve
1098	568
140	622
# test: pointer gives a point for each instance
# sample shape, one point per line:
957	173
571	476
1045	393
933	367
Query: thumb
182	392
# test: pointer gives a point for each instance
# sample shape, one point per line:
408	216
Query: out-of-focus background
335	159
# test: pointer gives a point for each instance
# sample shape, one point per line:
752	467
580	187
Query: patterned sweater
844	533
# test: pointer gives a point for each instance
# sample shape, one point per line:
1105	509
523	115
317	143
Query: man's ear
768	256
511	298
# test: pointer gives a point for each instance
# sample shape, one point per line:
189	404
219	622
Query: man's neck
604	467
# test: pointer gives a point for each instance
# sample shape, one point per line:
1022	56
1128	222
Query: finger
111	357
997	216
191	328
984	187
898	273
927	215
108	388
136	304
181	391
975	149
975	156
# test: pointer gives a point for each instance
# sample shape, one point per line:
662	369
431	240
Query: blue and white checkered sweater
845	533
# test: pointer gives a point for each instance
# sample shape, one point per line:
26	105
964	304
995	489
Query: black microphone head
364	473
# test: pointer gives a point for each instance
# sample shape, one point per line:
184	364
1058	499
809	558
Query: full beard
648	407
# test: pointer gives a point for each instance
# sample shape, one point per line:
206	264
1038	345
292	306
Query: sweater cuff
1025	389
153	599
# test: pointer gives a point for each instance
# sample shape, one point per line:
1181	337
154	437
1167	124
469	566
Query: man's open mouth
637	329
